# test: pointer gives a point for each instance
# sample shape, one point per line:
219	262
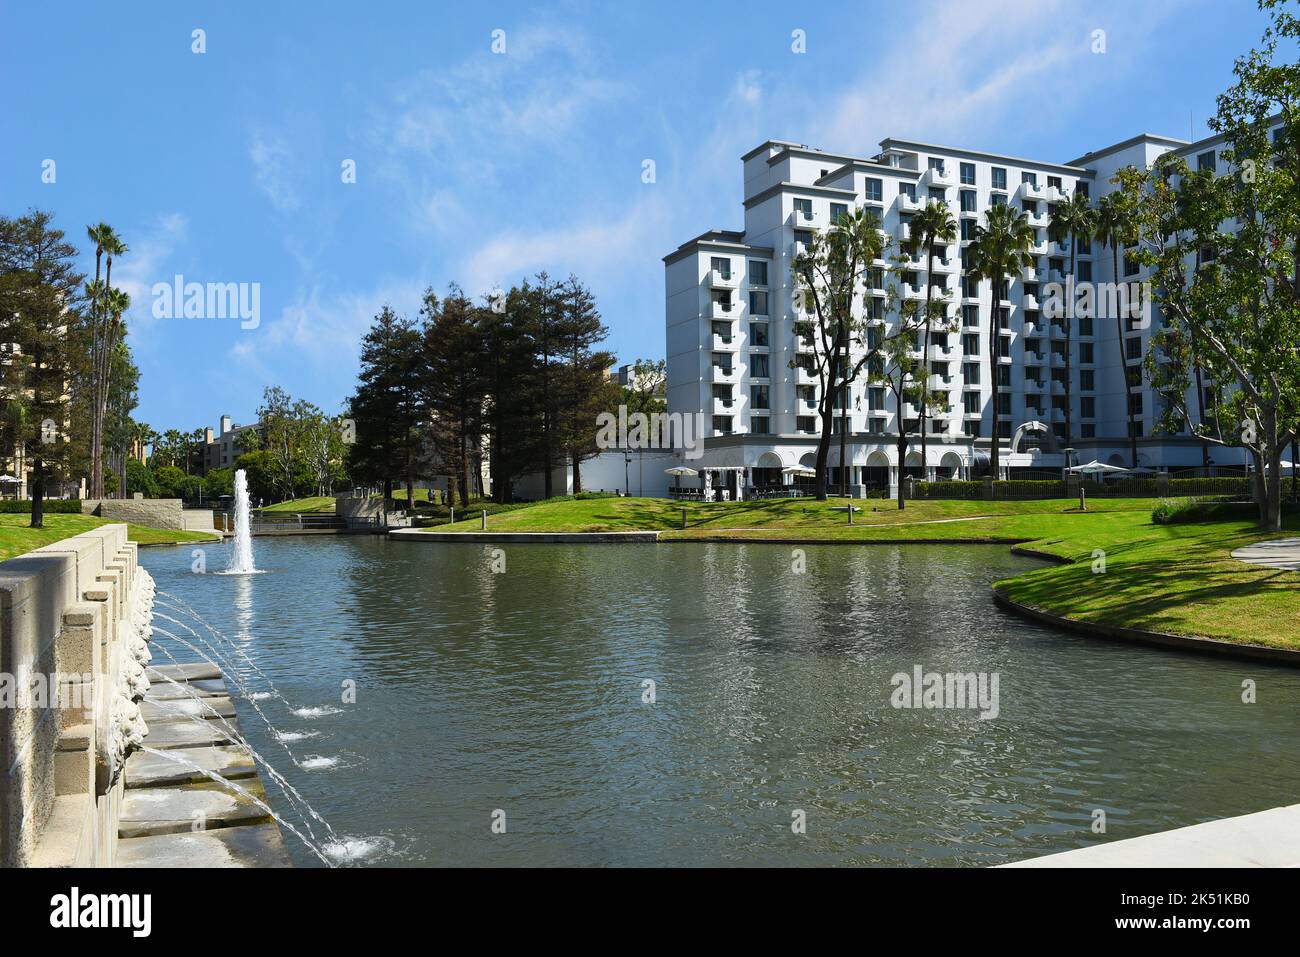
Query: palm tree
1072	222
999	251
102	235
930	228
1115	228
108	321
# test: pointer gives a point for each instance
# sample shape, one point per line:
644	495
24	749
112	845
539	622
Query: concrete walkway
173	815
1282	553
1266	839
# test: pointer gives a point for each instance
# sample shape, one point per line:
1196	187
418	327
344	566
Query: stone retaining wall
67	614
153	512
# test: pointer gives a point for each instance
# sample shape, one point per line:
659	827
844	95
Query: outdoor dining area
727	483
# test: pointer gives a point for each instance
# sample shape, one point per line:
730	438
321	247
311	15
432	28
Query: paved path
1283	553
1266	839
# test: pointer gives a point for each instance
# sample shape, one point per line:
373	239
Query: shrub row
53	506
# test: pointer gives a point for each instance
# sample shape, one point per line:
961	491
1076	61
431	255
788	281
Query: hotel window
874	193
722	330
722	423
1133	348
970	374
1206	161
1135	403
938	194
722	393
759	425
1085	352
1085	268
936	164
1081	188
1085	380
722	300
970	403
758	397
908	190
1004	377
803	237
970	344
758	365
967	229
1004	403
805	423
757	273
970	315
1088	407
875	399
968	174
722	360
804	208
970	429
1054	182
1030	178
758	304
1085	327
1134	379
999	178
967	197
721	266
876	277
875	426
758	333
997	199
838	210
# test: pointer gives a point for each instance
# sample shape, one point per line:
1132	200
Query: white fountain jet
241	557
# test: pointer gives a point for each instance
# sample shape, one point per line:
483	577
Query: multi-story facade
730	314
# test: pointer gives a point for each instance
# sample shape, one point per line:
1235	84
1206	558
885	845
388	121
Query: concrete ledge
1265	839
257	845
565	538
1279	656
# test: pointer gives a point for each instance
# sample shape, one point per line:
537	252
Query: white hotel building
730	339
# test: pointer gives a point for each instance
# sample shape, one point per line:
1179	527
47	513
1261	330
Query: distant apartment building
220	449
733	354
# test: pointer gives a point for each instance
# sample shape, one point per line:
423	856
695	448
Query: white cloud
273	171
147	262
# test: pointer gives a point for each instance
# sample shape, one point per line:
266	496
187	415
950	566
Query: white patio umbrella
1097	469
798	470
10	480
679	471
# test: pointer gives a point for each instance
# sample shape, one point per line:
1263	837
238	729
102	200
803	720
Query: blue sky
483	168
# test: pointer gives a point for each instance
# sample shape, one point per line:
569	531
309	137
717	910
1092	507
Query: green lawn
16	538
316	503
1171	578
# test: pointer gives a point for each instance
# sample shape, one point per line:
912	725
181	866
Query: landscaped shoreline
1113	568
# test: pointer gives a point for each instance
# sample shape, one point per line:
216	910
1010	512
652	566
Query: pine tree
39	301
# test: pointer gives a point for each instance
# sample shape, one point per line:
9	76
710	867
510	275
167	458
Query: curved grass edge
1125	634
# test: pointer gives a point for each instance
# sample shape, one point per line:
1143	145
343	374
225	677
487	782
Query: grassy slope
16	538
317	503
1179	578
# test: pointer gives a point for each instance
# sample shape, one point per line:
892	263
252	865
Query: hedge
52	506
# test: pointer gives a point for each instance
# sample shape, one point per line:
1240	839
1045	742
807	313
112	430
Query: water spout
241	557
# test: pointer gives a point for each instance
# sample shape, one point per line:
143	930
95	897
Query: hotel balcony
1058	387
906	204
903	231
1038	249
945	265
723	343
728	311
1032	191
939	178
723	406
1029	303
1029	328
724	374
1037	220
720	279
805	376
1032	358
1055	275
801	344
913	292
1058	250
1057	415
1033	386
1058	360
